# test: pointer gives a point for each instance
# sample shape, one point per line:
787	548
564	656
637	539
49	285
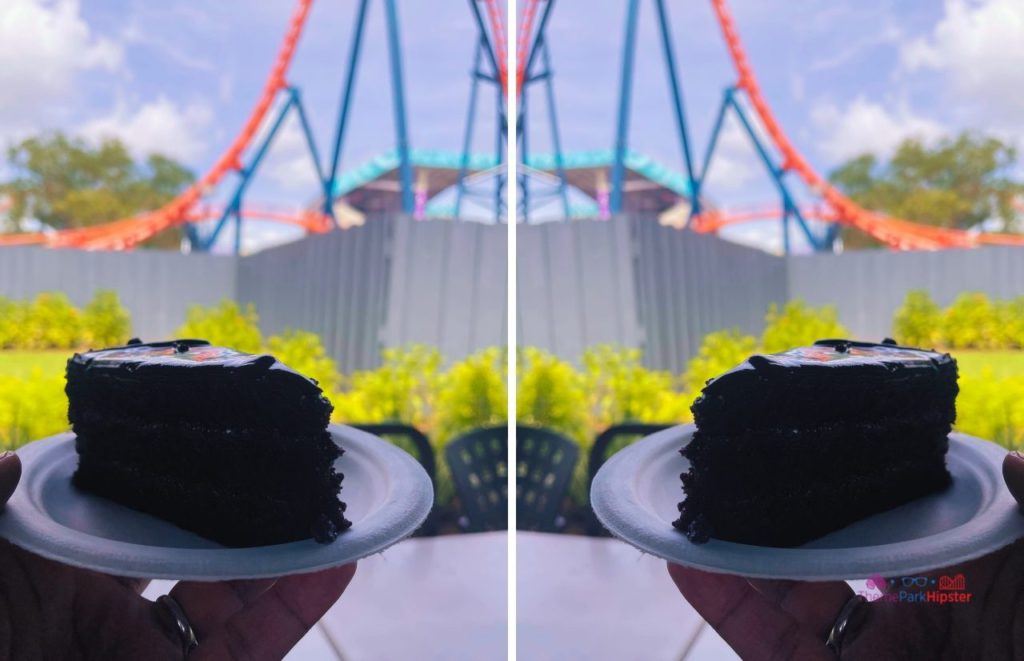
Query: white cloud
44	45
289	163
735	163
866	126
159	126
978	45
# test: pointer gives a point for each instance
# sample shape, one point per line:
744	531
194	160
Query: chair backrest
410	438
479	466
545	463
599	450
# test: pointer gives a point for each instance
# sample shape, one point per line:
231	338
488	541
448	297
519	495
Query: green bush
550	394
970	323
719	352
106	322
992	408
400	390
52	323
31	408
304	352
13	315
472	394
1010	323
620	389
918	321
225	324
798	325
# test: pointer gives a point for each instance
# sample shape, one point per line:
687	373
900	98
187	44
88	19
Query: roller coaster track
129	232
894	232
186	208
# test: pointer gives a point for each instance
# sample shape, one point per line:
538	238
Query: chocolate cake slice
231	446
794	445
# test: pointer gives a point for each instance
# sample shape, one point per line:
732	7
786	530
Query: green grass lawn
1002	363
22	363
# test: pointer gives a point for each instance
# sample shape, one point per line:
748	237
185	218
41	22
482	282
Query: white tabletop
424	598
598	598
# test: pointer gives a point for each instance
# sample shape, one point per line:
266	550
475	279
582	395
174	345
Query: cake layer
231	517
794	514
830	382
268	461
190	381
759	456
767	472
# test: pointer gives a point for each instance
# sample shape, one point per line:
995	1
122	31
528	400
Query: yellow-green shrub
400	390
472	394
106	322
798	325
719	352
52	323
992	408
225	324
12	322
31	408
550	394
918	320
304	352
970	323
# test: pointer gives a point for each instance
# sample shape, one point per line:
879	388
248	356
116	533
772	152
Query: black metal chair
414	442
478	462
603	448
544	465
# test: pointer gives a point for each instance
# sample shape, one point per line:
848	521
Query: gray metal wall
576	287
689	285
448	286
387	283
334	285
155	286
867	287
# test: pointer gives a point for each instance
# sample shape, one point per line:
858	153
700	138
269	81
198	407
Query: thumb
1013	474
10	473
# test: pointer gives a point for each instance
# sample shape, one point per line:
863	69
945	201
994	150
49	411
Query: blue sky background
843	77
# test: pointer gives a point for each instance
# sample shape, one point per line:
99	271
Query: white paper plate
387	491
636	493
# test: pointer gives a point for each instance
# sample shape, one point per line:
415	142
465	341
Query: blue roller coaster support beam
539	49
233	208
777	174
485	50
346	103
398	97
467	138
716	130
677	93
499	153
524	150
556	140
625	91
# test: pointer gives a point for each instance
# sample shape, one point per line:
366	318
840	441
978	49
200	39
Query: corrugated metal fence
628	281
389	282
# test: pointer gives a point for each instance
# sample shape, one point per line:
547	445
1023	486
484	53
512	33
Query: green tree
64	183
959	182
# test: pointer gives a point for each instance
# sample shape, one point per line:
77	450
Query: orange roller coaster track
129	232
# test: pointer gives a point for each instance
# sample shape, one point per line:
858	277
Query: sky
842	77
